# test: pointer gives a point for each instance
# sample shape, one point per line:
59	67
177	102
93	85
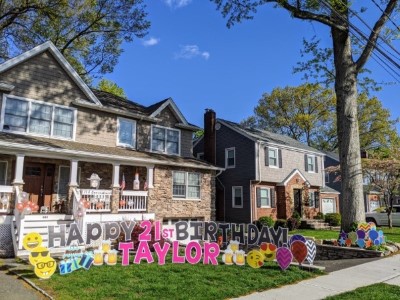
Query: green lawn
391	234
171	281
375	291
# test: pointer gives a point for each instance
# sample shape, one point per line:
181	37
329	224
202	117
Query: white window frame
269	197
5	172
333	201
233	196
165	140
185	197
59	175
227	150
27	132
313	163
276	157
133	145
311	196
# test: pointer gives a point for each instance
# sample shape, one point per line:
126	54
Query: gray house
266	174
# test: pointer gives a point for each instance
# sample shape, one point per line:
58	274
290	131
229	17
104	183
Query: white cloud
191	51
150	42
177	3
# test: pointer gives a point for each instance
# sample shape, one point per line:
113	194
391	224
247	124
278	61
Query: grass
391	234
171	281
375	291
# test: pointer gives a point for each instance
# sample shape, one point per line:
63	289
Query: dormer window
38	118
165	140
126	133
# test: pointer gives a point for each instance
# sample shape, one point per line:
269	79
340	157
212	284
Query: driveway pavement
385	270
12	287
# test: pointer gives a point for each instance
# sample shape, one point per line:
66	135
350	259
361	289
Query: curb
32	285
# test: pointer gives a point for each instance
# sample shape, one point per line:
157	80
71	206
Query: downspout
258	177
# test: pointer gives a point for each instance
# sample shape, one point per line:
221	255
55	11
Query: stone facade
327	252
162	203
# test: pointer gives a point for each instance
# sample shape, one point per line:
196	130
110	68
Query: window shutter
273	205
316	199
316	164
305	163
280	158
258	192
266	156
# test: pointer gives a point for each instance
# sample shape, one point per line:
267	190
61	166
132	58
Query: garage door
328	205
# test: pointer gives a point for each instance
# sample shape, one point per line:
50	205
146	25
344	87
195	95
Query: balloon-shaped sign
373	235
297	237
353	237
299	251
311	251
361	234
361	243
284	257
364	227
372	225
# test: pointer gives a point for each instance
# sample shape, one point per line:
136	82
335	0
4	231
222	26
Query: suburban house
372	196
61	142
266	174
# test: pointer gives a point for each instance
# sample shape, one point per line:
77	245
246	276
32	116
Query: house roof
328	190
63	149
332	155
268	137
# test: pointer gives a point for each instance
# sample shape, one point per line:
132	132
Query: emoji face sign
269	251
37	254
45	267
31	241
255	259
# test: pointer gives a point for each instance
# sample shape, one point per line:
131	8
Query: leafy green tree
88	33
348	64
307	113
109	86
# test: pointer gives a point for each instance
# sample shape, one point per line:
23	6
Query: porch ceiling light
307	184
94	181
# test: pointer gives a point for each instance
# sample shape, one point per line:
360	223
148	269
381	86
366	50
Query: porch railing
133	201
100	200
6	196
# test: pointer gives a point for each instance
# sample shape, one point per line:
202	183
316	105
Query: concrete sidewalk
385	270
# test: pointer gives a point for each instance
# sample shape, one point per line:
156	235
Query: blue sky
191	56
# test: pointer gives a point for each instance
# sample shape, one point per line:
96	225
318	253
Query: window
310	163
165	140
3	172
230	158
35	117
63	181
326	177
265	197
126	133
237	197
311	199
273	157
186	185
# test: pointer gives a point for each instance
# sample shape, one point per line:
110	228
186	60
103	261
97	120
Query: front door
38	178
297	200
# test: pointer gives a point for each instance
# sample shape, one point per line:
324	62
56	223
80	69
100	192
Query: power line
377	5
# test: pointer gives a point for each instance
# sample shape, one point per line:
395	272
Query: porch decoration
284	257
4	201
136	182
94	181
25	206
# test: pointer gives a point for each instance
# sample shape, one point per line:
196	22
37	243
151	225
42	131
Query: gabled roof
328	190
49	46
332	155
268	137
157	108
290	176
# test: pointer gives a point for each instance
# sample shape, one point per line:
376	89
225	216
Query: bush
280	223
334	219
293	223
266	221
319	216
296	215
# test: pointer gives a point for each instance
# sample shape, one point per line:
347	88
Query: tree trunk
352	204
390	221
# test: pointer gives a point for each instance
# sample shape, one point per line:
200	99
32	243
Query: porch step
315	224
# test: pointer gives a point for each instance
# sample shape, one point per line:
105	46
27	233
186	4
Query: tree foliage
109	86
307	113
348	63
88	33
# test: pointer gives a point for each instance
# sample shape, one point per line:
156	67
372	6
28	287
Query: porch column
73	183
150	176
18	181
115	189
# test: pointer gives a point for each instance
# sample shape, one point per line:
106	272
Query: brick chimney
210	136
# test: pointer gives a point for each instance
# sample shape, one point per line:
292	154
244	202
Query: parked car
380	218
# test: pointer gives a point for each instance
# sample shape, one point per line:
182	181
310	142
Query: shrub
293	223
296	215
266	221
319	216
334	219
280	223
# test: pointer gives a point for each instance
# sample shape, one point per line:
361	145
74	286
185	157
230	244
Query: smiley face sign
37	254
45	267
32	240
255	259
269	251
